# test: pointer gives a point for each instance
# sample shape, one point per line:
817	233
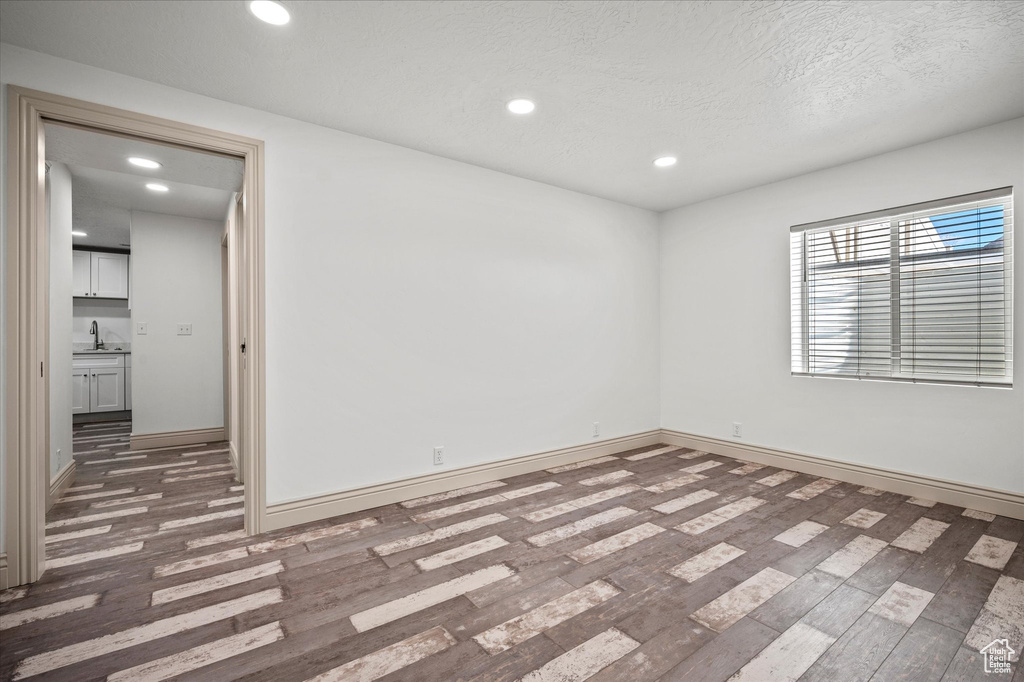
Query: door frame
231	297
26	441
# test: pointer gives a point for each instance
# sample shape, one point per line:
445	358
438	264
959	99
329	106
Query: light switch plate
142	328
185	329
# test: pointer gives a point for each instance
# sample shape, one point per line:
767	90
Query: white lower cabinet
106	391
99	384
80	391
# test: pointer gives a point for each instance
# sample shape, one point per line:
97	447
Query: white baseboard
61	482
292	513
1002	502
3	571
172	439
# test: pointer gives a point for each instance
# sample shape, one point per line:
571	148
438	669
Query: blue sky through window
970	229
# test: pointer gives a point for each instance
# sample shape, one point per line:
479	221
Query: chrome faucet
95	331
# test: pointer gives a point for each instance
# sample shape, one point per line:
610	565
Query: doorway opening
135	314
139	364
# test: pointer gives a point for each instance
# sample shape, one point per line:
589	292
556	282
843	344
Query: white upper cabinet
81	277
110	275
100	275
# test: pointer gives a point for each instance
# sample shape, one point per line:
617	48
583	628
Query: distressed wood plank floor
657	564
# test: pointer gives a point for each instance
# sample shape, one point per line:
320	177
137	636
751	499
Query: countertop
108	351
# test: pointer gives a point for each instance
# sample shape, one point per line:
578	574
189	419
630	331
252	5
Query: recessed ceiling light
665	161
270	12
142	163
156	187
521	106
78	233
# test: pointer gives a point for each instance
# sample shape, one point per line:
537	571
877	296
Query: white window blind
917	293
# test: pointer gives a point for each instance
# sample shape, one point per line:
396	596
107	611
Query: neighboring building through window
918	293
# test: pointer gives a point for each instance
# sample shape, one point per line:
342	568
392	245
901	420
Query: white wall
3	317
725	333
177	381
414	301
59	216
113	318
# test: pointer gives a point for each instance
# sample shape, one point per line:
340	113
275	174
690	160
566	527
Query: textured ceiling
743	92
105	188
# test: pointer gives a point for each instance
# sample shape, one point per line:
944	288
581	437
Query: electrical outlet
185	329
142	328
439	455
737	430
597	429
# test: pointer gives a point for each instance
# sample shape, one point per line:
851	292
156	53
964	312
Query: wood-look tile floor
658	564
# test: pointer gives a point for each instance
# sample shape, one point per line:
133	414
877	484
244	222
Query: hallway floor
658	564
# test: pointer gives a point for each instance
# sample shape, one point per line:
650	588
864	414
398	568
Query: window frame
895	216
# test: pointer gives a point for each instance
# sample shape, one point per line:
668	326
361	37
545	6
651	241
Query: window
918	293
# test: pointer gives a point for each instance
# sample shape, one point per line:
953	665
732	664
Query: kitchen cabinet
99	383
80	391
81	273
99	275
127	382
110	275
106	389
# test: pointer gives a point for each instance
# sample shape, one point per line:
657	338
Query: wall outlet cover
142	328
439	455
185	329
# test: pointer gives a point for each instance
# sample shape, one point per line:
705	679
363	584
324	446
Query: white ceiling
105	188
743	92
